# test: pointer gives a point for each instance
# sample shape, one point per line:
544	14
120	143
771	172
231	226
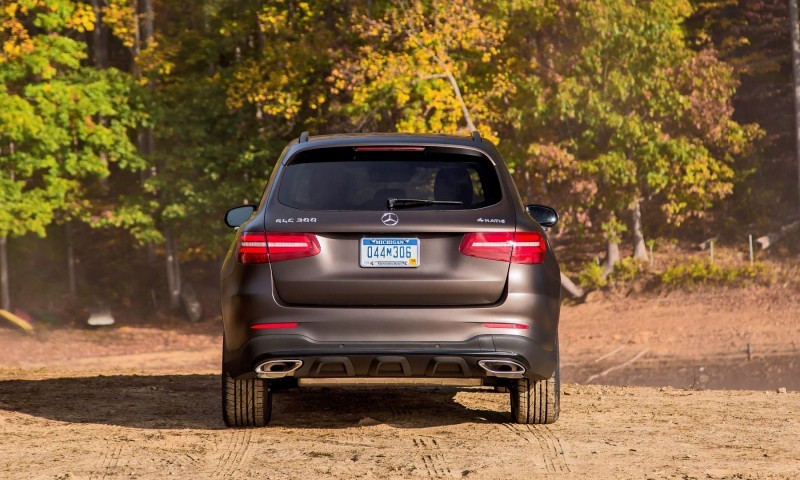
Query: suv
390	260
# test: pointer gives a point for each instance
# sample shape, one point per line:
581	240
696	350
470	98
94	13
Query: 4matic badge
492	220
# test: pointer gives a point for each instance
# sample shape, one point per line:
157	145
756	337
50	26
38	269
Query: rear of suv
390	260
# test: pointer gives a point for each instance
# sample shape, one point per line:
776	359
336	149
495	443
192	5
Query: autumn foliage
149	118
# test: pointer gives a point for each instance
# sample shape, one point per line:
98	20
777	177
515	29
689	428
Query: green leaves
595	104
62	125
644	115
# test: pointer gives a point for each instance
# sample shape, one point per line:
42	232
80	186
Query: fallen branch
617	367
772	238
603	357
15	320
570	287
707	243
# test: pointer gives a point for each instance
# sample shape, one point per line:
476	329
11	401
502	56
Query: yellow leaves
16	41
488	133
275	93
11	9
48	72
278	17
271	19
119	16
402	97
81	19
411	53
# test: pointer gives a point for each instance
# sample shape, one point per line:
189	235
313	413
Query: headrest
453	184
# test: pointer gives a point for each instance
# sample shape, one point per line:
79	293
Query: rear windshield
339	180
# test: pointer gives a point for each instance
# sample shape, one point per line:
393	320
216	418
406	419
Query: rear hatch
371	255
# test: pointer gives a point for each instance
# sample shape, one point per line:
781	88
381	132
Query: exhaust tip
503	368
277	368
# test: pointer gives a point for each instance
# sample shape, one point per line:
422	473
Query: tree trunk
146	140
173	274
100	47
99	39
528	185
5	298
795	34
177	268
137	40
612	258
73	287
147	31
639	248
457	92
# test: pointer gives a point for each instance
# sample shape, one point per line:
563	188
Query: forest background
128	127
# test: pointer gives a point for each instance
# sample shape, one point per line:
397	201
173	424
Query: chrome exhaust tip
278	368
502	368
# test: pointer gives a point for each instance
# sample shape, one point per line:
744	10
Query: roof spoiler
476	137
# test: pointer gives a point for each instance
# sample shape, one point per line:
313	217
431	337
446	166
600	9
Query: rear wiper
395	203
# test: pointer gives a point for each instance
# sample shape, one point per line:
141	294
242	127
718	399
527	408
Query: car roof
472	142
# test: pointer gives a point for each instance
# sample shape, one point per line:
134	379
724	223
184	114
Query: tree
795	34
425	67
642	117
753	37
53	146
230	83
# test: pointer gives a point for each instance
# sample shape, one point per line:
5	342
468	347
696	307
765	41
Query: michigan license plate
390	252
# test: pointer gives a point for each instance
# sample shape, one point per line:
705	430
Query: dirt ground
142	401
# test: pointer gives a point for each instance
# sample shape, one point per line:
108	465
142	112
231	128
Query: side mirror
238	215
546	216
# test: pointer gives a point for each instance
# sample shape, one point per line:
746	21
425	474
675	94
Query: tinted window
364	181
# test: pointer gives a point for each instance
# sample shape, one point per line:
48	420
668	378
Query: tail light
252	248
529	247
276	246
514	247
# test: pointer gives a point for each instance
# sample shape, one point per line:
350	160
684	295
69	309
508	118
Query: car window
365	181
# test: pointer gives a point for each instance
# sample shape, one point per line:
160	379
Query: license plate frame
406	254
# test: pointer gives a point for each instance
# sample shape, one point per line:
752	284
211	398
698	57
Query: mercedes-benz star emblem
390	219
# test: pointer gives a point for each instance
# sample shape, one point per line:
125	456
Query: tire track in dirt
552	449
236	449
109	461
401	413
434	464
542	440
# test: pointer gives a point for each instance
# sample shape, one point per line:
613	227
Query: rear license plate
390	252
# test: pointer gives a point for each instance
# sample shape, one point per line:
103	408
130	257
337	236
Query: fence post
712	252
751	249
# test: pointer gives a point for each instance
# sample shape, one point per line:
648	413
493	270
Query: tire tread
536	402
246	402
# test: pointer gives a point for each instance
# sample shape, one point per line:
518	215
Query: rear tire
246	403
536	402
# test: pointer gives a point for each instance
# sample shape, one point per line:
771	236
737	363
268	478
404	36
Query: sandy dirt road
168	426
143	402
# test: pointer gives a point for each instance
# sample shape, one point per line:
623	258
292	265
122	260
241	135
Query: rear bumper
391	359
